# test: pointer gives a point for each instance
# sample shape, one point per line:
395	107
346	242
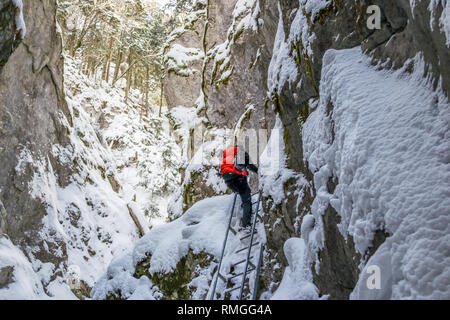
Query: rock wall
32	105
245	57
8	40
343	25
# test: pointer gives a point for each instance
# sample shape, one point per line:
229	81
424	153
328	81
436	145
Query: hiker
234	171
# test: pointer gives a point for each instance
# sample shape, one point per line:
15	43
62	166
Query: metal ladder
249	266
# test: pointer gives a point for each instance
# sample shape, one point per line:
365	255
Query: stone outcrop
6	276
241	54
175	285
8	39
32	105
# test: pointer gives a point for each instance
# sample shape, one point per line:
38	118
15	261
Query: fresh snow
245	17
313	7
204	162
187	25
297	282
109	141
201	229
387	142
282	67
273	169
179	58
184	120
444	20
238	127
27	283
143	156
20	22
250	10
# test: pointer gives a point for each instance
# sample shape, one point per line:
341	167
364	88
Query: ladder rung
235	276
240	250
249	235
239	262
249	266
240	274
231	290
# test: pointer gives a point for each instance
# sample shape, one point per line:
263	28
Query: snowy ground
145	156
386	141
124	159
202	229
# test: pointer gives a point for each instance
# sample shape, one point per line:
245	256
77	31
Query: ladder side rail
223	247
258	271
249	248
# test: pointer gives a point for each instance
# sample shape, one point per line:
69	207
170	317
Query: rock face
236	72
233	53
178	76
31	106
6	275
8	39
175	285
343	25
226	96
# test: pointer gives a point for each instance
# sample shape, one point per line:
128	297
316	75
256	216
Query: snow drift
201	229
385	136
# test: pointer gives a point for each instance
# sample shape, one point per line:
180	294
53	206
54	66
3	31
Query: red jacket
227	165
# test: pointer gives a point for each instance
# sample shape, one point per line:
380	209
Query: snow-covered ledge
21	28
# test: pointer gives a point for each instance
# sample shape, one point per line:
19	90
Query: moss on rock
175	285
116	295
302	115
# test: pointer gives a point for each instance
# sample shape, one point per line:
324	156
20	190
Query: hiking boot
246	229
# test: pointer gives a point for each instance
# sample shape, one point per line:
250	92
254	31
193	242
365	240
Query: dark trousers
240	185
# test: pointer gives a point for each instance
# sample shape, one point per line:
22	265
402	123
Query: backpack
230	163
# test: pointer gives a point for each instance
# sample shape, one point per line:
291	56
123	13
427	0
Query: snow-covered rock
297	283
125	163
387	143
179	257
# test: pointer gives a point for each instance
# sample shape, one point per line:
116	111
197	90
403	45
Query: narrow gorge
348	123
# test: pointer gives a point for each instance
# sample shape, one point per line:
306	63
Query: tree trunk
108	65
105	70
129	74
136	78
147	88
94	69
161	97
118	63
86	27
